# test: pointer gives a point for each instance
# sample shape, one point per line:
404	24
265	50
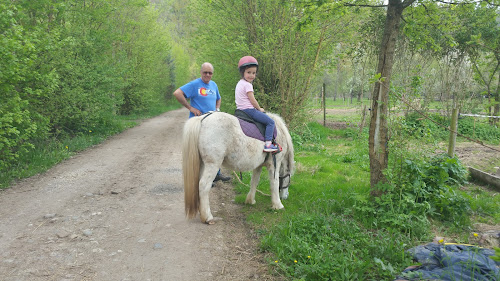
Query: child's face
250	73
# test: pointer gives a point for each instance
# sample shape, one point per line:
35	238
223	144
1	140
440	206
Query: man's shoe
221	177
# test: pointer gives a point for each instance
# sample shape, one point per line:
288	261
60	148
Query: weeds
332	229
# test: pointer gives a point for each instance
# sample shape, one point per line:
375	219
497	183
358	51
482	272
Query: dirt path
116	212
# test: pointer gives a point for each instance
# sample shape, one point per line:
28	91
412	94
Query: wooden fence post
453	132
323	93
362	124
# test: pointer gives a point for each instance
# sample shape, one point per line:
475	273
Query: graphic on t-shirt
205	92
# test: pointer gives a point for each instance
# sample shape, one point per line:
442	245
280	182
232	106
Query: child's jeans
261	117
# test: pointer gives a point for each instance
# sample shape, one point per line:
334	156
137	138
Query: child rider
245	99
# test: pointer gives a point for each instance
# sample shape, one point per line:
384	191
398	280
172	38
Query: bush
474	129
420	127
418	190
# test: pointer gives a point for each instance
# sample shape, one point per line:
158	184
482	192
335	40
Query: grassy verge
331	229
45	155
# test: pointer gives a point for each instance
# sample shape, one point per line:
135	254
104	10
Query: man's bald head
206	71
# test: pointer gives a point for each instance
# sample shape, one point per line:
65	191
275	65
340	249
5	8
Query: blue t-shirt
201	95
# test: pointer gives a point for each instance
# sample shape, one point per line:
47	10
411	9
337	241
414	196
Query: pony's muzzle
284	193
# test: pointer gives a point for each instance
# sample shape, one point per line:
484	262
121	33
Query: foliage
332	229
17	53
47	153
418	185
464	38
435	126
429	185
70	67
316	236
305	135
479	39
475	129
289	40
496	257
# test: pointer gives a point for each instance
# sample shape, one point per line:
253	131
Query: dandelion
276	261
475	234
308	257
67	147
295	261
441	241
90	131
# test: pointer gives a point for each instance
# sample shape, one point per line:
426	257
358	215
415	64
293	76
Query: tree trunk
378	139
496	109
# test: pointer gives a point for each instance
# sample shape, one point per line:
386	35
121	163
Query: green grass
316	236
331	229
483	203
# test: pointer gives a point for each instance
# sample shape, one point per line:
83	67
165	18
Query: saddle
250	127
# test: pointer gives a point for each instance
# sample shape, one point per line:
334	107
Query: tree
378	139
290	40
68	67
479	39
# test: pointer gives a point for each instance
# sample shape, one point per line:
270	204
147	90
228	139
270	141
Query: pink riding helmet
247	60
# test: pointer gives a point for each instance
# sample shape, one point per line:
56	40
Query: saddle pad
251	130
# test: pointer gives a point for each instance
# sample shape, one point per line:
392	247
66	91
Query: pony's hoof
278	207
250	201
213	220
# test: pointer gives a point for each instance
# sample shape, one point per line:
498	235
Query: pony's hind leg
206	178
253	186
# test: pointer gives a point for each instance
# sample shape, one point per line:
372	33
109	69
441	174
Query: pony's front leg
206	178
253	186
275	189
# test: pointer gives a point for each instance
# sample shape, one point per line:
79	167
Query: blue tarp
452	262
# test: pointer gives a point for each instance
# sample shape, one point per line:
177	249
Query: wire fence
445	126
477	115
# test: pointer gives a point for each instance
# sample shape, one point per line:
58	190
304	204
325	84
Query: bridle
285	181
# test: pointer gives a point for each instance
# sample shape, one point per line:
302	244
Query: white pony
215	140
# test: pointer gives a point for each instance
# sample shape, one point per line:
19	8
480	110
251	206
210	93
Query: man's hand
195	111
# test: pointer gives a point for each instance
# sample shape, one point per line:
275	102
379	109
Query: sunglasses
207	73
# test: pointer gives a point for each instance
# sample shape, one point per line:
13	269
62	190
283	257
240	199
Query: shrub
420	189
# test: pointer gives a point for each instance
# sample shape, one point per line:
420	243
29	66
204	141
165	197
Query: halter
284	181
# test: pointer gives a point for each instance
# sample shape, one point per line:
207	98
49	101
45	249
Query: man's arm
179	95
217	104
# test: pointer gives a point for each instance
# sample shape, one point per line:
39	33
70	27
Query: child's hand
262	110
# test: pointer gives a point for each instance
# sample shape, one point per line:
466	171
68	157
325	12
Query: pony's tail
191	166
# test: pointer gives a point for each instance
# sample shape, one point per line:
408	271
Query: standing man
203	95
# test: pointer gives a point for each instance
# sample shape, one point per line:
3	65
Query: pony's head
287	167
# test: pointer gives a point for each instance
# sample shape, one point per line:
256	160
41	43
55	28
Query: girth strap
206	115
